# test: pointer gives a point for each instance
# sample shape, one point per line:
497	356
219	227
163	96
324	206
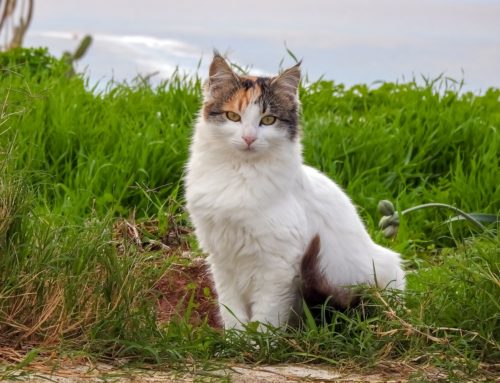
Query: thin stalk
456	210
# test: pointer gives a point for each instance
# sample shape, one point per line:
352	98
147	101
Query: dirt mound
186	290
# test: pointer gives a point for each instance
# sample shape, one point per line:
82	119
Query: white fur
255	212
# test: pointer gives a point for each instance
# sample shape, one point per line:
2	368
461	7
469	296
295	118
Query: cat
275	229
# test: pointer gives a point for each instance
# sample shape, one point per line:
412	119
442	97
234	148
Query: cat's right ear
221	76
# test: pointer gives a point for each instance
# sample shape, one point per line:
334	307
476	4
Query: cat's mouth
247	149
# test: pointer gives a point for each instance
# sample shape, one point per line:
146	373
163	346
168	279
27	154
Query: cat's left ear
288	81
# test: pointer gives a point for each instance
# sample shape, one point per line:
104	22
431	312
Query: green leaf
311	323
486	218
30	357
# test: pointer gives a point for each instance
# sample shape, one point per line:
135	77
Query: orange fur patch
243	97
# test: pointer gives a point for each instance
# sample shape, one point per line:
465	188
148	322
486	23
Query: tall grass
74	159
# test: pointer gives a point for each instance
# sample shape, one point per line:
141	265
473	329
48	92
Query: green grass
74	160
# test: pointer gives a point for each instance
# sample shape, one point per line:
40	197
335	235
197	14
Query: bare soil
186	290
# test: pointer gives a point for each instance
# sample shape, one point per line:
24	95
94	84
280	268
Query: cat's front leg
232	312
232	308
275	304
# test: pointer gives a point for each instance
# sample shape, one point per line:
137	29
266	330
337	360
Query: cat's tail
315	287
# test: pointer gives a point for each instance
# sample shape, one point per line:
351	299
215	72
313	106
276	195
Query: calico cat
276	230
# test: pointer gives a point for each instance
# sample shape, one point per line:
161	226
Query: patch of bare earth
186	289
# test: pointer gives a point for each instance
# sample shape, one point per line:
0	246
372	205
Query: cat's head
252	115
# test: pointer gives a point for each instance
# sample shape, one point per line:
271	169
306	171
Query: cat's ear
219	69
288	81
221	76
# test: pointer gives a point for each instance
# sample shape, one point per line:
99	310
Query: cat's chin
247	151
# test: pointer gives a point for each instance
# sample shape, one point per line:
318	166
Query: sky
348	41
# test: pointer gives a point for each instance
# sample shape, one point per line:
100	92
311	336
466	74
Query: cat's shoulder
321	186
317	177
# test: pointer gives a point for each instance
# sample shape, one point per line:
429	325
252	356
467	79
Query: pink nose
249	139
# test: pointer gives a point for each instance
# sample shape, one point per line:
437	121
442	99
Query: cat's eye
268	120
233	116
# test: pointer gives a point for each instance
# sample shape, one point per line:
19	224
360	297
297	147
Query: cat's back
331	211
322	190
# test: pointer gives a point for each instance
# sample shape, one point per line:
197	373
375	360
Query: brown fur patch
251	78
315	288
207	108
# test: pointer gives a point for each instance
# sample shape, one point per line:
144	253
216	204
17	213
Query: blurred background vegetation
15	19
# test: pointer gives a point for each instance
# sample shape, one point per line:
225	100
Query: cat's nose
249	139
